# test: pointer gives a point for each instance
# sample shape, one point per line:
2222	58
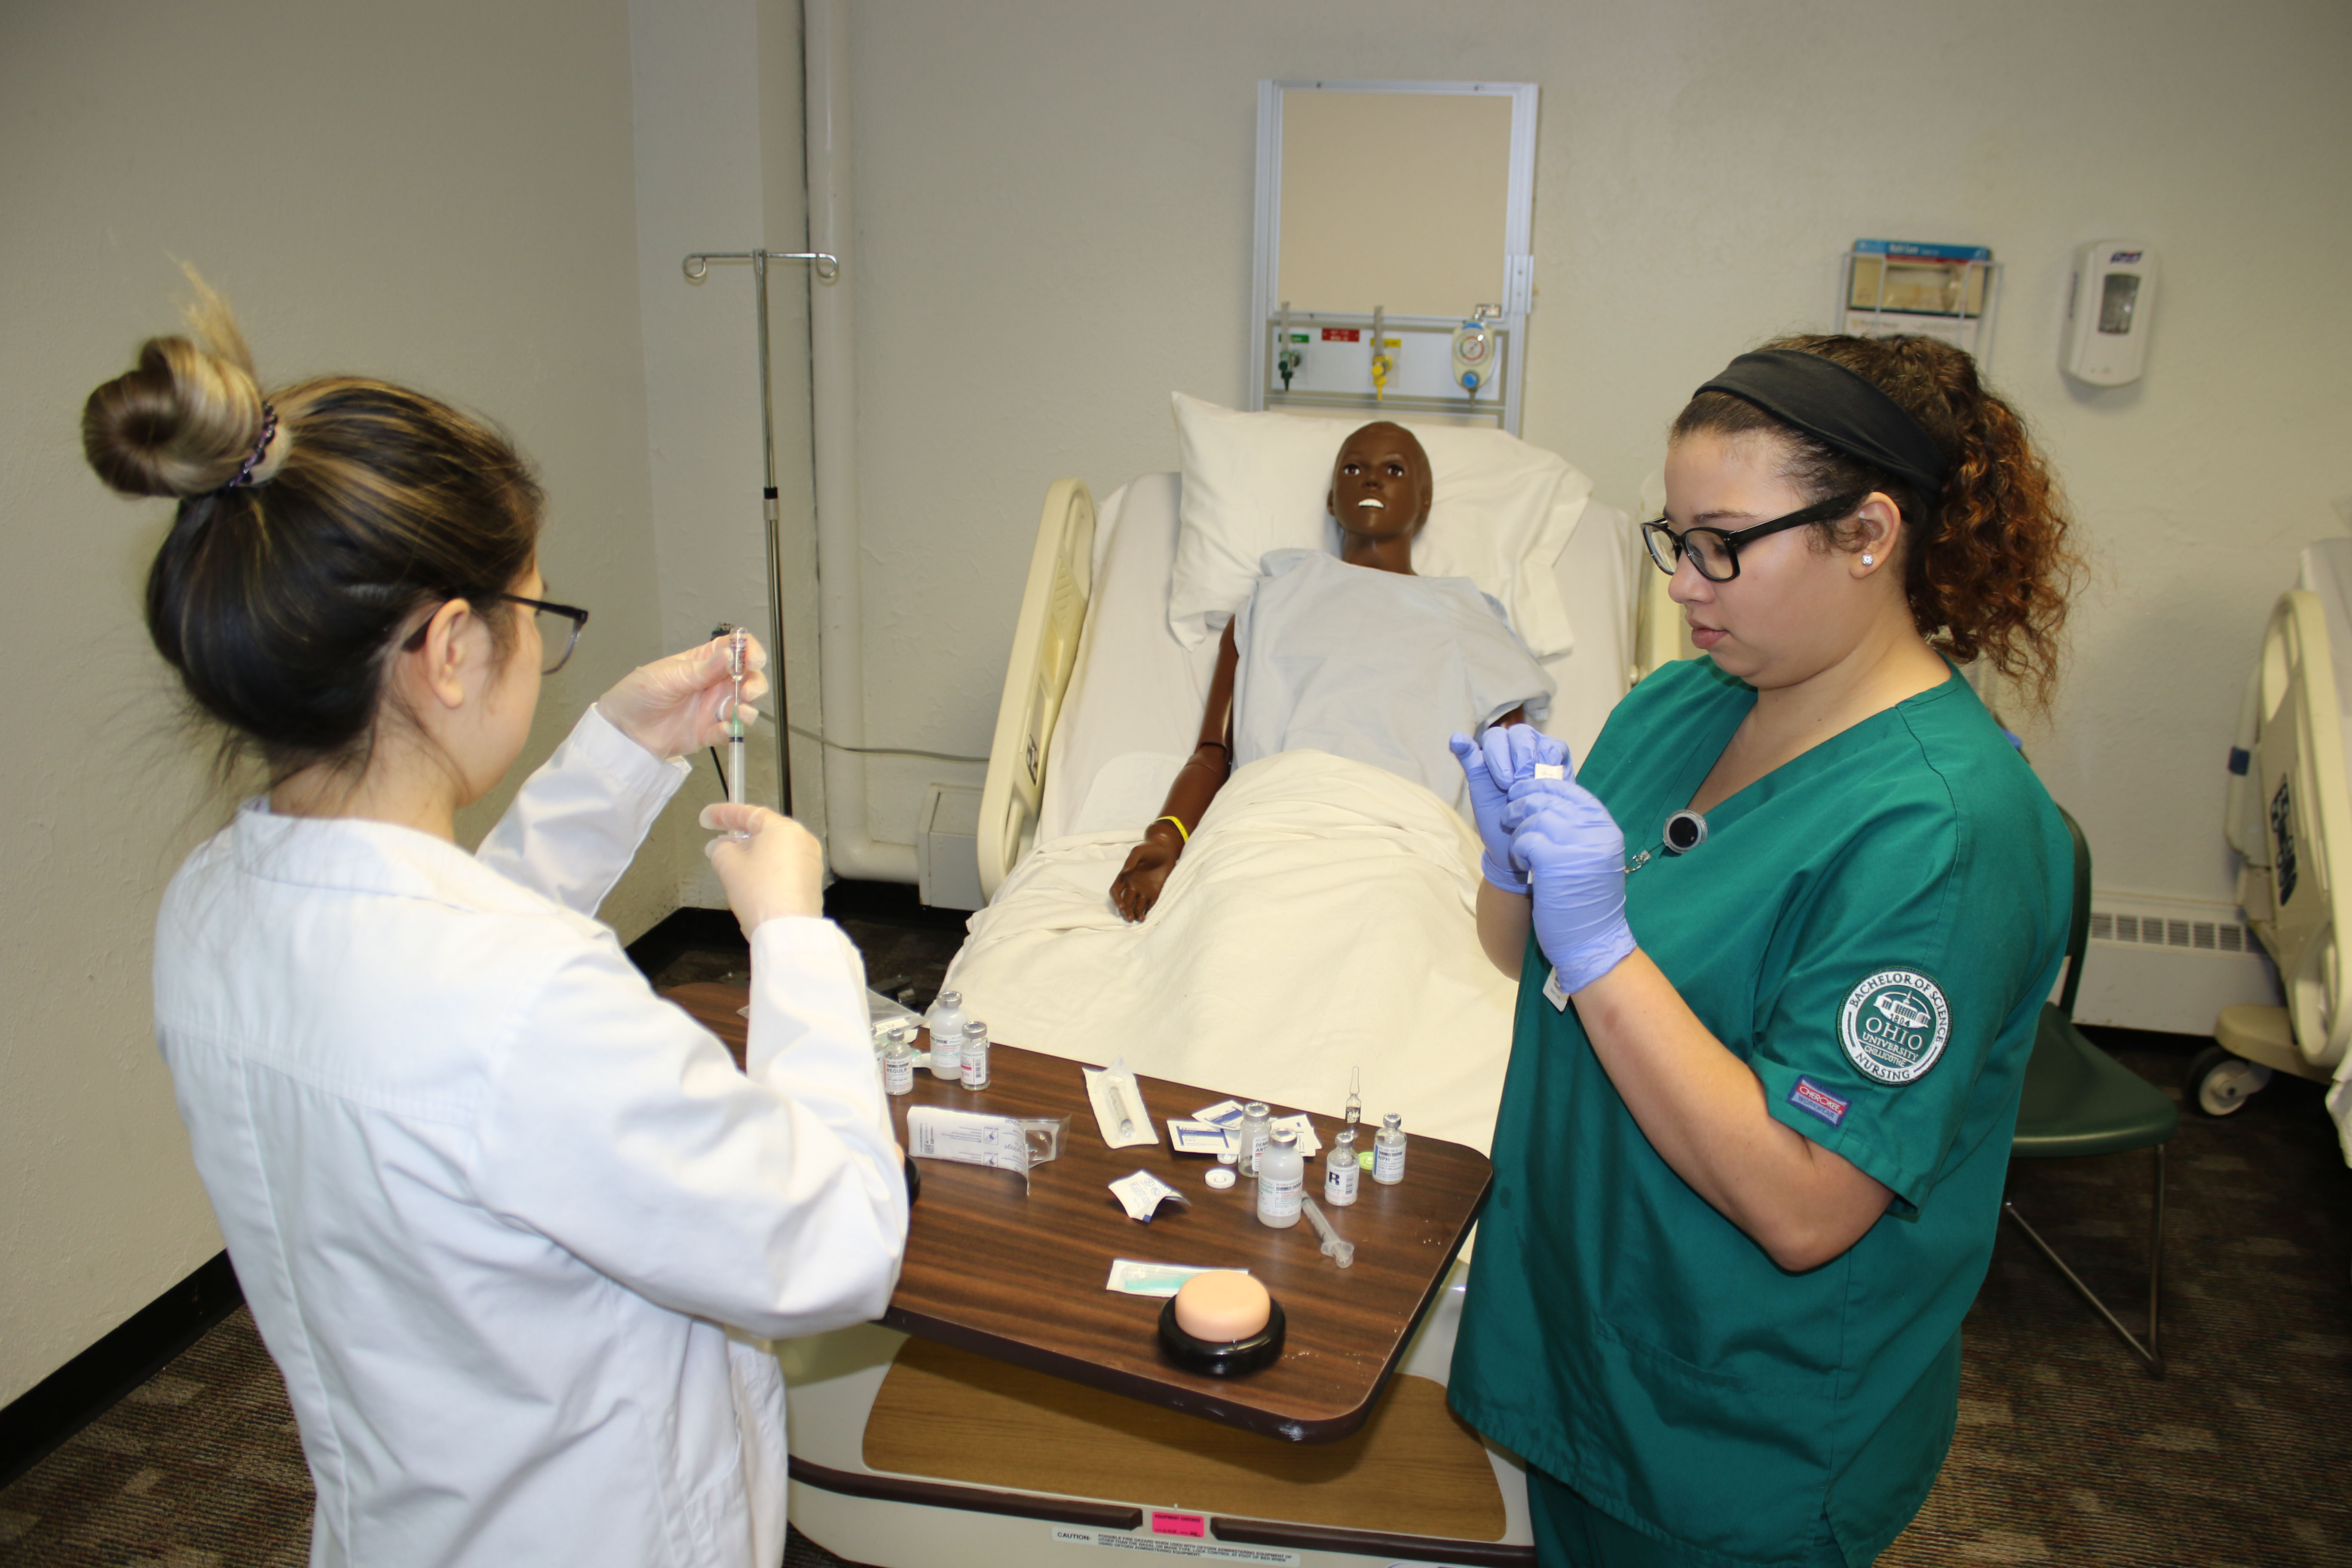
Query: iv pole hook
826	267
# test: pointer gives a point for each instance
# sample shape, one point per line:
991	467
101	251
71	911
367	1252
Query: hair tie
269	430
1847	412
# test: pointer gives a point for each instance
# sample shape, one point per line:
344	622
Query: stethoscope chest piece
1685	831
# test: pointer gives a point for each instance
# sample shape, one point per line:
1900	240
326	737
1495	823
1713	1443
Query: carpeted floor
2066	1453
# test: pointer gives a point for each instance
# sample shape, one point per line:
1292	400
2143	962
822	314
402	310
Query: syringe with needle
736	639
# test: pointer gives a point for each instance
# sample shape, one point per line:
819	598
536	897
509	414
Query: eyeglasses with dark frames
1715	551
541	609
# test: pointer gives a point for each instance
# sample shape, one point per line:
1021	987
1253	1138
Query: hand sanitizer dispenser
2107	311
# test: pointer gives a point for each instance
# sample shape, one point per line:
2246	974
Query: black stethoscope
1685	831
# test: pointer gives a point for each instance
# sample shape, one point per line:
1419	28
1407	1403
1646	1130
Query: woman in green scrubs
1749	1156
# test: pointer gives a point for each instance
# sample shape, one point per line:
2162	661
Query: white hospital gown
1377	667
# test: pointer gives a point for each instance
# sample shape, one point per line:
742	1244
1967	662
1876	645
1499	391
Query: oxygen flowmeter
1473	345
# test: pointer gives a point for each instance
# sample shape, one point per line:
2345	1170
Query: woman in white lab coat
512	1226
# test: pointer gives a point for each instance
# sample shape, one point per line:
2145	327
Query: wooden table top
1021	1278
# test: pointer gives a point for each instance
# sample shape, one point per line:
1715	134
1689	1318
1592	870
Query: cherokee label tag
1895	1024
1811	1096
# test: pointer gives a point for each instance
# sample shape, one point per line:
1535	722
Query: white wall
1055	203
432	192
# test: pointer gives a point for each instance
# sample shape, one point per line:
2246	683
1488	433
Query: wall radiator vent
2154	931
2133	974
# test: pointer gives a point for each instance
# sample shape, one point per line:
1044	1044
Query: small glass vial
1256	1118
976	1055
945	1021
898	1067
1340	1170
1281	1180
1388	1150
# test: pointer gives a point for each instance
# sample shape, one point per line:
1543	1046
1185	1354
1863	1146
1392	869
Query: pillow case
1256	483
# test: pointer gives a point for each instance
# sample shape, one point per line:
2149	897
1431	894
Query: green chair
2080	1101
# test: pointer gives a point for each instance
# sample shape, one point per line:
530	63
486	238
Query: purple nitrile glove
1486	805
1500	757
1575	856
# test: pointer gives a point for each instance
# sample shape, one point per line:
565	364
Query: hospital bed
1102	704
2289	817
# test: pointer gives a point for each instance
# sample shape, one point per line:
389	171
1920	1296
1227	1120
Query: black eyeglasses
1715	551
541	611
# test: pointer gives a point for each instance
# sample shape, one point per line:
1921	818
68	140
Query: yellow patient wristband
1182	836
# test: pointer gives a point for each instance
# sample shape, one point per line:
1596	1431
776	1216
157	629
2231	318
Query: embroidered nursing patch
1895	1024
1811	1096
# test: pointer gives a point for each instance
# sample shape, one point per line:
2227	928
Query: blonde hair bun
186	419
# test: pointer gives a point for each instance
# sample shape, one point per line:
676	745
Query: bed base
1296	1507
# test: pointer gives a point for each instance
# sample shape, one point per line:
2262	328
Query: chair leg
2150	1355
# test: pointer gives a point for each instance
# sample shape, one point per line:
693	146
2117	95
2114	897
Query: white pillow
1254	482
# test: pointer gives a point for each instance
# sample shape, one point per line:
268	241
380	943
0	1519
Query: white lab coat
491	1201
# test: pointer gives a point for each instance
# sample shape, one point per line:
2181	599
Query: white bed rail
1045	652
2289	826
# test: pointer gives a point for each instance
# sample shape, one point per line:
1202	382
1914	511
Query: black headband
1838	408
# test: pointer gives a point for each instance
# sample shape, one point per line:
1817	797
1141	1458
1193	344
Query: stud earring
1869	559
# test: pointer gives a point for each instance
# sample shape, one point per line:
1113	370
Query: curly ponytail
281	585
1988	566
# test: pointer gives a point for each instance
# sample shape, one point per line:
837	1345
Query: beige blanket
1320	919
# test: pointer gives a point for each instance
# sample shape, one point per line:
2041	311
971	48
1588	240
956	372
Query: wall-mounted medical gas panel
1392	272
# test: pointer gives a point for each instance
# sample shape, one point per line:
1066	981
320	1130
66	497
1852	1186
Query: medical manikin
1328	656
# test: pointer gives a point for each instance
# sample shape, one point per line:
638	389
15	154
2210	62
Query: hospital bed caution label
1175	1546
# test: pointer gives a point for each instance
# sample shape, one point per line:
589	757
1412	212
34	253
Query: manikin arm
1138	885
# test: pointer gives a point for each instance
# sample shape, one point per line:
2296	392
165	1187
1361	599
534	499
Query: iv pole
827	268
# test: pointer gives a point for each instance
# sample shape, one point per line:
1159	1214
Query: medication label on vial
1153	1545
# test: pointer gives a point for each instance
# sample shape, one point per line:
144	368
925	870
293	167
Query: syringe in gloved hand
736	639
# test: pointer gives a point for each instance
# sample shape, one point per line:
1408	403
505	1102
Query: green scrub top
1872	928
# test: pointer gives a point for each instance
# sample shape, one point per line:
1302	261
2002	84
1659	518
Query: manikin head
1380	490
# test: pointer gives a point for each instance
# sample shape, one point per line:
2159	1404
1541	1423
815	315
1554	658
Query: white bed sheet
1135	698
1365	956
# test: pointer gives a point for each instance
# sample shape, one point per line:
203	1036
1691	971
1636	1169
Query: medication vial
1388	1150
945	1021
1342	1170
976	1055
1281	1180
1255	1119
898	1067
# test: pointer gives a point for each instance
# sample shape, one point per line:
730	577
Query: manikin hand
1575	856
778	870
1502	756
1137	887
678	704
